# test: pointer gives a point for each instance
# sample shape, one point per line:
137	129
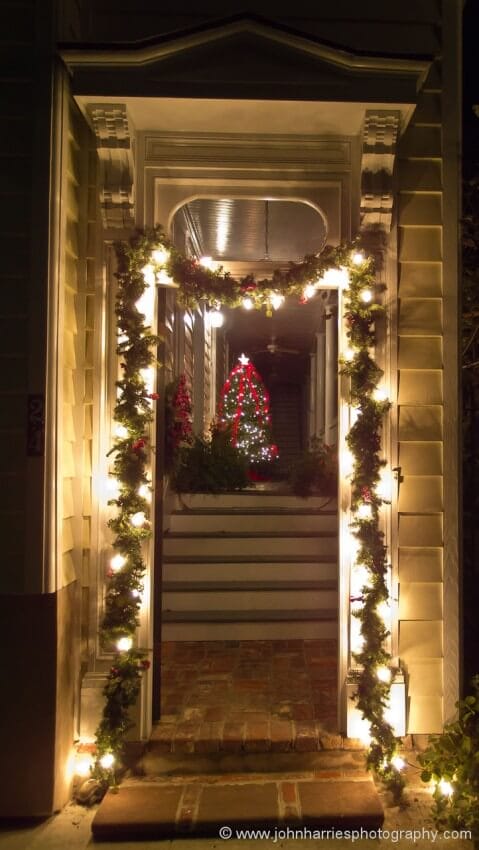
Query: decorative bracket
377	164
115	145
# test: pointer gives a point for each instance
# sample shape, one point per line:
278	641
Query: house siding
421	408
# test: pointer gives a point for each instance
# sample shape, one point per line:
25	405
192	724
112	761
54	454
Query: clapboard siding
420	402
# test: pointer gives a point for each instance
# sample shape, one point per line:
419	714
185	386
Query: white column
320	382
330	413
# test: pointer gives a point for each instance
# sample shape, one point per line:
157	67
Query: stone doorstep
165	809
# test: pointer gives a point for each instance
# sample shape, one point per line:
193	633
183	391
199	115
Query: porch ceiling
254	229
293	327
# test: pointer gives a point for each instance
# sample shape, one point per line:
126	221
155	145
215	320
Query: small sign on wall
36	425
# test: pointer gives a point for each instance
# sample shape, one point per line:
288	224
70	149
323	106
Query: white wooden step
249	600
198	545
254	570
282	520
259	500
308	629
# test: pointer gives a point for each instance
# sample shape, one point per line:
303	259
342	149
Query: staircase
250	566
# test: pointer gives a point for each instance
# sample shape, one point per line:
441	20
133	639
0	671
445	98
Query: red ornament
366	494
138	445
154	396
145	664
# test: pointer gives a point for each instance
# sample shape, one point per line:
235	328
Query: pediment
242	58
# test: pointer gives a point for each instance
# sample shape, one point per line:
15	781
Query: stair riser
252	500
249	600
309	630
254	546
250	572
246	523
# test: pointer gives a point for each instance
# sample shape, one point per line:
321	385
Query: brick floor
251	696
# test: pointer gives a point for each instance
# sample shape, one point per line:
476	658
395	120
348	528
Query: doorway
249	608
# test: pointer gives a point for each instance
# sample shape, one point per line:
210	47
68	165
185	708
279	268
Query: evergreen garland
149	252
364	442
130	526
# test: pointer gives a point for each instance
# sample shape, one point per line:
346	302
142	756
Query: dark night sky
471	79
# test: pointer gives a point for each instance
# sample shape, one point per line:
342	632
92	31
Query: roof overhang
209	62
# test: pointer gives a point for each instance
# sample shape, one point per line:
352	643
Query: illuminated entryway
249	580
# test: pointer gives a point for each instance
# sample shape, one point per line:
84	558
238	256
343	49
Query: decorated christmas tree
244	408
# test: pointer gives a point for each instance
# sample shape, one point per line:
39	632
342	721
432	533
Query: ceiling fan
274	348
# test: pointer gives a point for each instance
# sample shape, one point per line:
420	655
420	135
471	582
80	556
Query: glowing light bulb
208	263
123	644
383	673
380	394
365	735
445	788
357	258
360	578
348	354
107	761
121	432
383	611
309	290
138	519
216	318
385	485
160	256
247	303
83	764
366	296
398	762
365	510
276	300
135	593
335	278
145	492
117	562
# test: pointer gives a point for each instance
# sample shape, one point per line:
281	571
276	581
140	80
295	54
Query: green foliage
133	411
210	466
454	757
315	471
364	442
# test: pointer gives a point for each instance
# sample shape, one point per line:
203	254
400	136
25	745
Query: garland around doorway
148	259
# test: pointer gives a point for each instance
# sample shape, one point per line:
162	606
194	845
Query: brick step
248	597
319	543
249	520
276	735
162	808
237	570
256	499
